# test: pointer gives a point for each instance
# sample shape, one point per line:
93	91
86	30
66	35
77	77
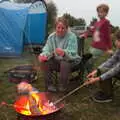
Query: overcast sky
87	9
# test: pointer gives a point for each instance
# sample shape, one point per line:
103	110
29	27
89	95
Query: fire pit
41	105
53	116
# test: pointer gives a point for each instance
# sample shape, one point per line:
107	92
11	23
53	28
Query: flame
23	108
26	111
44	109
33	105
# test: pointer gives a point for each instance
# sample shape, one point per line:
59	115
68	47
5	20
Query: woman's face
61	29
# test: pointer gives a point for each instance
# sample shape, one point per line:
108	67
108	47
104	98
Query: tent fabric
35	29
12	22
14	6
20	24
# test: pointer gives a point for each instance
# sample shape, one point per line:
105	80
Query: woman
60	50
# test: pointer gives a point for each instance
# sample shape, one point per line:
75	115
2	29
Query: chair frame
79	71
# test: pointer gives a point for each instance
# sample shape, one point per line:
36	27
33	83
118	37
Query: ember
35	104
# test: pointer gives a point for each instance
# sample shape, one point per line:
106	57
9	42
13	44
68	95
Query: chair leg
55	79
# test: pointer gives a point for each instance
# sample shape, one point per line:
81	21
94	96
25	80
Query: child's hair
63	20
104	7
117	35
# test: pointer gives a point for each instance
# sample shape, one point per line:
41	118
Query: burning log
37	106
34	105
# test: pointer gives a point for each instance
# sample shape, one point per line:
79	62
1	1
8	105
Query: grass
78	106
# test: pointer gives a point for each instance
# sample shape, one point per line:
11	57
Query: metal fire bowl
44	96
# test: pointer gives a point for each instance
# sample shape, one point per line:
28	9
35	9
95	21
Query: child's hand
109	52
92	74
42	58
92	80
60	52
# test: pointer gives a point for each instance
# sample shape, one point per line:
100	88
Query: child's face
117	43
101	13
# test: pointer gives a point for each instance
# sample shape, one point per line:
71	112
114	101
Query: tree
74	21
52	14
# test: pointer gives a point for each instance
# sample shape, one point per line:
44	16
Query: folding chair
77	70
80	67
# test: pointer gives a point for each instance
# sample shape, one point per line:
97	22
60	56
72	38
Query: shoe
52	88
100	97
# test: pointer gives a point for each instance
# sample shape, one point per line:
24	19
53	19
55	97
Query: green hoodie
68	43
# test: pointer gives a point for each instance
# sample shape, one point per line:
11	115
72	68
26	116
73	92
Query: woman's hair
104	7
117	35
62	20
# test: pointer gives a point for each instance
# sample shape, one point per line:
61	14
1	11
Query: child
101	35
109	69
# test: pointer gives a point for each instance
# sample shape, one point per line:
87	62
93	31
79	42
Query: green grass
78	106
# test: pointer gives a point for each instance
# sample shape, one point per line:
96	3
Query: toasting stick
12	105
68	94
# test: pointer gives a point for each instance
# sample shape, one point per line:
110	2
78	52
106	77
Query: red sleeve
107	34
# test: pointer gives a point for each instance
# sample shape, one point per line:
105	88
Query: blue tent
12	22
35	29
19	24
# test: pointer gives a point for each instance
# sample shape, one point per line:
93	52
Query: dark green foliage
74	21
52	14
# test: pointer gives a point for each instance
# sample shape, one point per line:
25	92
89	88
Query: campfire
35	104
31	102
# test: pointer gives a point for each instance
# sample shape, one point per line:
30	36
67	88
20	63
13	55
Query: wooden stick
68	94
17	106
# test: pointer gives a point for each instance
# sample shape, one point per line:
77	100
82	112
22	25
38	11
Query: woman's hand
92	74
42	58
60	52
